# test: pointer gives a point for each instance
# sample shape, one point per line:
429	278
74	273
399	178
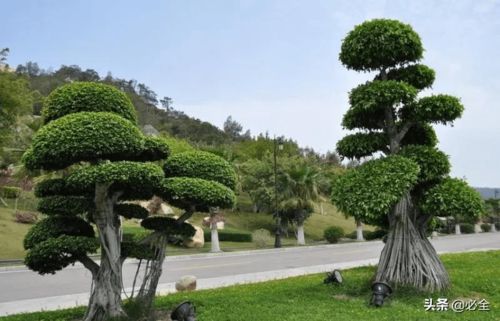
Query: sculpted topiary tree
91	133
407	185
195	182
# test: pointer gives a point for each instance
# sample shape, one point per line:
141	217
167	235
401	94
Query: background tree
493	208
232	128
91	133
395	123
299	182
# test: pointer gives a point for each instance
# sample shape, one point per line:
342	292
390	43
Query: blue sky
271	64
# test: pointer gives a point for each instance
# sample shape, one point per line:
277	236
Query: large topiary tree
407	185
91	134
195	182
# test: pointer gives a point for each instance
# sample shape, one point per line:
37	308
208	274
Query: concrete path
22	290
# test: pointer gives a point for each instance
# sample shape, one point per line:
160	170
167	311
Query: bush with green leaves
466	228
407	183
262	238
333	234
485	227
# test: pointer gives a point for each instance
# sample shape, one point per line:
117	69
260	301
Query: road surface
21	284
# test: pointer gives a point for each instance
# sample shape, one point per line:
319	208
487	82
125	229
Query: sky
272	64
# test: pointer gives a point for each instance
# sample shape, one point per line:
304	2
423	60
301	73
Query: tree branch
401	134
89	264
187	214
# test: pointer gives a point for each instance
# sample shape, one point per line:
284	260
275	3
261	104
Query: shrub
333	234
229	236
262	238
467	228
26	217
374	235
10	191
497	226
485	227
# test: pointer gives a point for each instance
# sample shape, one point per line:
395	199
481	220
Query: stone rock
198	240
186	283
164	208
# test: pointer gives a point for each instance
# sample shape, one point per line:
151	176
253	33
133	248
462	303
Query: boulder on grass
186	283
198	239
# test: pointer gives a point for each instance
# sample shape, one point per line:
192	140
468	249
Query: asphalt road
23	284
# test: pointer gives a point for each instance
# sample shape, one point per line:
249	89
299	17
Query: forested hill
159	113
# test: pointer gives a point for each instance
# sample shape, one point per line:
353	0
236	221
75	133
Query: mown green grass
474	276
11	235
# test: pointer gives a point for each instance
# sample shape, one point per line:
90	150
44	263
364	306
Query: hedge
466	228
229	236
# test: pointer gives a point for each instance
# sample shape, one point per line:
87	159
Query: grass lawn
474	276
11	235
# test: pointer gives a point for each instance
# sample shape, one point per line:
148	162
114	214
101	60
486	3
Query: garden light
184	312
381	290
333	277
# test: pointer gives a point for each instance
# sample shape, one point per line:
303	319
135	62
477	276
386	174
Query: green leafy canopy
369	191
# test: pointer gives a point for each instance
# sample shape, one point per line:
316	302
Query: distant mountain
488	192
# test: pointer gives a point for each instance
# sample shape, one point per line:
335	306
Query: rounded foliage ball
198	164
369	191
87	96
380	43
62	251
85	136
188	192
56	226
453	197
434	164
136	181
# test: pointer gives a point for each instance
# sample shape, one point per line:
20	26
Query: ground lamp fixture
185	311
381	290
333	277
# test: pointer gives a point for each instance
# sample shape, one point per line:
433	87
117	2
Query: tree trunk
359	231
477	228
301	240
457	229
493	227
105	299
408	257
152	275
214	237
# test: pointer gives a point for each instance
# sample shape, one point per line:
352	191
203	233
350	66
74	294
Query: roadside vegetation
474	277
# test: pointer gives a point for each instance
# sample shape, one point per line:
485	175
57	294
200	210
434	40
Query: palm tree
298	190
